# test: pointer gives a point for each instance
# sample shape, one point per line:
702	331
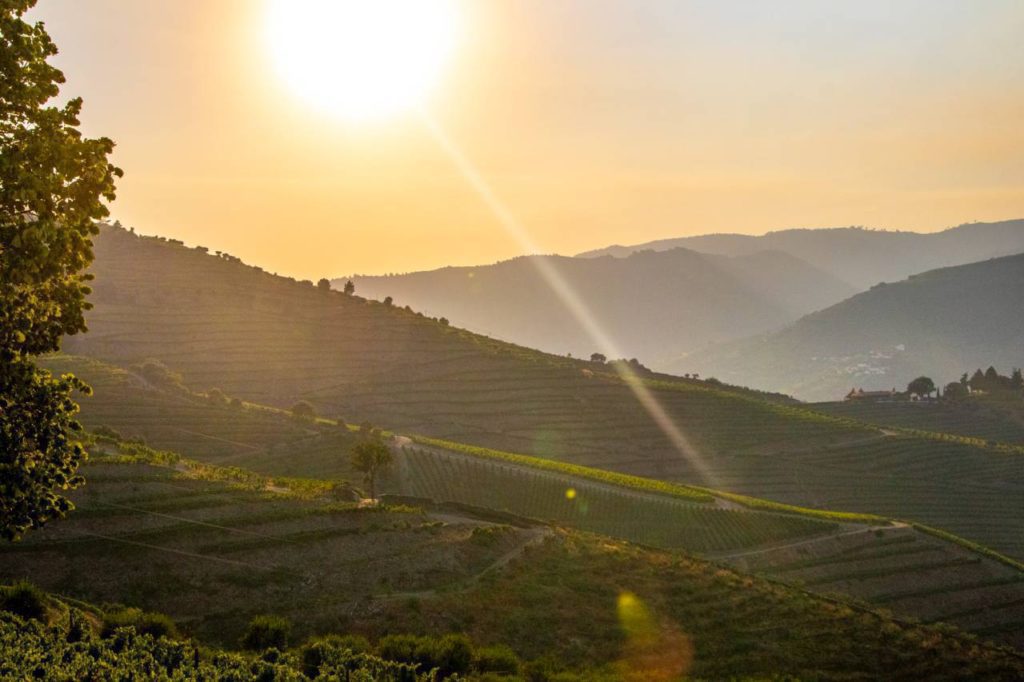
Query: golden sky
596	121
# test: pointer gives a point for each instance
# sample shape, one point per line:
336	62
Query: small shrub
451	655
267	632
323	650
303	410
496	659
401	648
145	623
104	431
24	599
215	396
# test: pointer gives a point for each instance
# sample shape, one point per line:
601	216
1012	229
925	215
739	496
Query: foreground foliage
52	183
30	649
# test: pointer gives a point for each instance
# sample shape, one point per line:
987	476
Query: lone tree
349	288
324	284
52	185
922	386
369	457
598	358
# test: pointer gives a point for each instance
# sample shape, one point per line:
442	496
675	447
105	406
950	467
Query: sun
361	59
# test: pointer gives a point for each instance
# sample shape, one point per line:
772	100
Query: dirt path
178	552
533	536
182	519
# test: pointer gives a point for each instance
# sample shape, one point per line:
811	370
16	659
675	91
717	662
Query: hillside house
859	394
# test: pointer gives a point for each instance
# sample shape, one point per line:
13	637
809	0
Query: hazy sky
596	121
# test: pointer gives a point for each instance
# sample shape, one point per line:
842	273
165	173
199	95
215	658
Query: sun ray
572	301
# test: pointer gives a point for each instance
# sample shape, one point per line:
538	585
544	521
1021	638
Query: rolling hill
272	341
859	257
936	324
654	305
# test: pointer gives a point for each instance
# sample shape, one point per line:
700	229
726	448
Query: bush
401	648
303	410
328	649
496	659
215	396
24	599
450	655
267	632
158	374
104	431
145	623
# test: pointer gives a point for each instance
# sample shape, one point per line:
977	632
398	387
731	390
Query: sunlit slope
939	324
272	340
212	555
969	490
277	445
269	441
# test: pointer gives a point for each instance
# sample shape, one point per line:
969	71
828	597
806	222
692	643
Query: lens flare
654	651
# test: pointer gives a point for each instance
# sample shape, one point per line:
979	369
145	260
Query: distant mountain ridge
939	323
858	256
655	305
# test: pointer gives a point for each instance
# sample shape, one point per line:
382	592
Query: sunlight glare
360	59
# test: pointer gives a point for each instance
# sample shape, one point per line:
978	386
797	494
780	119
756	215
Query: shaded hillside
857	256
271	340
934	324
157	539
654	305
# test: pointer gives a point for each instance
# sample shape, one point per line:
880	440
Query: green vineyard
146	535
973	418
647	518
911	573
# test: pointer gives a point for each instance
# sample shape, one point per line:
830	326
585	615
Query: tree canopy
369	457
53	182
922	386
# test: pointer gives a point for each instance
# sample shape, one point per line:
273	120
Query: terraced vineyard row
966	490
912	574
974	417
645	518
212	555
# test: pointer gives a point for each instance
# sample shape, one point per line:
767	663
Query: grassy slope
580	600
